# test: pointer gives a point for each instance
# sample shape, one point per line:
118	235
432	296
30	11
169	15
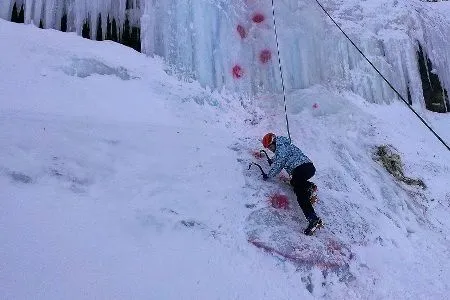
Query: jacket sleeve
278	165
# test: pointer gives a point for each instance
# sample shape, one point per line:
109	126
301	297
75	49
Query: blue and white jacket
287	156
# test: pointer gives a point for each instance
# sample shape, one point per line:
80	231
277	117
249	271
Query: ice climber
300	168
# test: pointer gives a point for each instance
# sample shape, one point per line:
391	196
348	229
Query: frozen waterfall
231	44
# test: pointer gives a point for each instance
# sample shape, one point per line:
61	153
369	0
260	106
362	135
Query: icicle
5	9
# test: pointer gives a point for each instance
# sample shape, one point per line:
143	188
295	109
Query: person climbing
300	168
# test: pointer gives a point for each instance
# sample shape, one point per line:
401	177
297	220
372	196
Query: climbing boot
313	226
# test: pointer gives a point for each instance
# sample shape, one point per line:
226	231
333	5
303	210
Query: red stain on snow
315	106
265	56
321	262
241	30
279	201
334	247
258	18
237	71
302	255
257	154
272	250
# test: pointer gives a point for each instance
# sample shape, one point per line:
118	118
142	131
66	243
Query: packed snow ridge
231	44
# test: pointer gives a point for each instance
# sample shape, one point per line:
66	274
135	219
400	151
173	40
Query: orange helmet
268	139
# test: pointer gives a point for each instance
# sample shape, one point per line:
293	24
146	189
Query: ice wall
390	32
435	38
230	43
195	37
78	12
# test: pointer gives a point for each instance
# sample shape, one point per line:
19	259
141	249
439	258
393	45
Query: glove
265	177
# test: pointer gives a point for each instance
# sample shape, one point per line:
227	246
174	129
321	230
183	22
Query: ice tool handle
260	168
269	160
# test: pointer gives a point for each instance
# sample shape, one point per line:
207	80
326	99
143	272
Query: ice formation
231	44
49	13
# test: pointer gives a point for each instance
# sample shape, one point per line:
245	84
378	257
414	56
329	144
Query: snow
99	174
120	181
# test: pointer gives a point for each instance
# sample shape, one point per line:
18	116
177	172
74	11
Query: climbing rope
281	70
384	78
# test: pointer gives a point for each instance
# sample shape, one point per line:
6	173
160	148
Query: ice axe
264	175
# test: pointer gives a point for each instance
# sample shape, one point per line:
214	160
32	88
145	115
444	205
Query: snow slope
119	181
116	188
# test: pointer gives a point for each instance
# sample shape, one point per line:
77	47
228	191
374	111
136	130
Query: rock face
389	157
436	97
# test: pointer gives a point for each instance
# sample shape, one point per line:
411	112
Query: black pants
301	185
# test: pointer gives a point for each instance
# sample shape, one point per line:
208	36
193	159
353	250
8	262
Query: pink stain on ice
279	201
265	56
257	154
258	18
237	71
303	255
242	32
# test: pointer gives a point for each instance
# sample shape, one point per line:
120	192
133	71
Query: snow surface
119	181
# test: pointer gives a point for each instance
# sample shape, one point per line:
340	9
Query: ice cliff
231	44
